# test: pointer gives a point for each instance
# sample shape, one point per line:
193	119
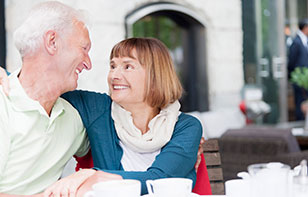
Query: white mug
237	188
116	188
169	187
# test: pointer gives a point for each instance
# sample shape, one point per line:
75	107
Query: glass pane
167	31
302	9
160	27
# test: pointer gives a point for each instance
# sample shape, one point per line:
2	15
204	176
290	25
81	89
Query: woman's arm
177	157
4	81
89	105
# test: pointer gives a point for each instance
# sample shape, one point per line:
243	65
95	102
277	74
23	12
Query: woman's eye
128	66
112	66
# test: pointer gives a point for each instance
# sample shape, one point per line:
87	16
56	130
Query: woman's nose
116	73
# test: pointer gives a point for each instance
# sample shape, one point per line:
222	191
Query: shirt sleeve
84	146
4	149
176	159
5	140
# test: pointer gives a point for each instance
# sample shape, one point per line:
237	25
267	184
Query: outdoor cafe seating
242	147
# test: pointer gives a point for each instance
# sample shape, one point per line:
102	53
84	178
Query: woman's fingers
4	81
200	152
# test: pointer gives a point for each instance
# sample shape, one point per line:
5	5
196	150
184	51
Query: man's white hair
43	17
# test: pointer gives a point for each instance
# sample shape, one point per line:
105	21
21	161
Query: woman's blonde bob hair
162	84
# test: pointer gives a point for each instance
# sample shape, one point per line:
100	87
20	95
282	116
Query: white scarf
160	128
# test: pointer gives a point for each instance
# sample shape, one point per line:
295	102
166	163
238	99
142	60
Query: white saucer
194	195
191	195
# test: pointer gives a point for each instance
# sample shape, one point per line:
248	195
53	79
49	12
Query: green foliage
161	27
300	77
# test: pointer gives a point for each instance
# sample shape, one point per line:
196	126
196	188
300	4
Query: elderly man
54	45
40	132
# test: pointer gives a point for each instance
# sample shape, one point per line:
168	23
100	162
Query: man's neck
39	85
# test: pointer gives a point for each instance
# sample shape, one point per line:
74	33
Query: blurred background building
218	46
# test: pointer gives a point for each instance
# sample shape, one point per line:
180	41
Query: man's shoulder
3	98
69	118
4	105
68	108
297	40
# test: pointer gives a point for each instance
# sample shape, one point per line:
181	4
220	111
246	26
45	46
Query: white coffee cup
237	188
169	187
116	188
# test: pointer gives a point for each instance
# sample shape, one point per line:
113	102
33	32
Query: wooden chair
213	163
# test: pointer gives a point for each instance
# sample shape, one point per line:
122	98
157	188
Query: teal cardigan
176	159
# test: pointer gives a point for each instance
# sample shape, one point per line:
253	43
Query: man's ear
50	42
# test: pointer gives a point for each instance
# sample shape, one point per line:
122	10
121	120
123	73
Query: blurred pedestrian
298	57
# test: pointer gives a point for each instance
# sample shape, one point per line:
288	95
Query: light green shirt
34	147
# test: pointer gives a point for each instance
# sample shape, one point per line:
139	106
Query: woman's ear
50	42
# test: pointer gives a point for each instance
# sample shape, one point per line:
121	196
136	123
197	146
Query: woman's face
126	80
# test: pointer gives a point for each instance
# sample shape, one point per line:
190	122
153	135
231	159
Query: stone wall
223	41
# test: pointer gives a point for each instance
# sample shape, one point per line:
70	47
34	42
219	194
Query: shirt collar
303	37
22	102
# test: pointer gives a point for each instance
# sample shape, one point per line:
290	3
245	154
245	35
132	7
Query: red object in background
202	186
85	161
242	107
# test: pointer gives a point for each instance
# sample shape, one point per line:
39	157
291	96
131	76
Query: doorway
183	32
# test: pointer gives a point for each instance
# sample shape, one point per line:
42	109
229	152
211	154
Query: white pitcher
269	180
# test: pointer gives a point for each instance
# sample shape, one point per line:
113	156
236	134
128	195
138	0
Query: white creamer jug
269	180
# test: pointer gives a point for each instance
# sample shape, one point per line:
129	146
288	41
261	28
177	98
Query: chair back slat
212	159
213	164
211	145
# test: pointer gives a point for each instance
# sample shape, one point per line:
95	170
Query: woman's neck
142	115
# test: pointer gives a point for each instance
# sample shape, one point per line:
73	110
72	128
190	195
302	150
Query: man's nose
88	63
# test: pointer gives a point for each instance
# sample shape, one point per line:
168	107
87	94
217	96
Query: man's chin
72	88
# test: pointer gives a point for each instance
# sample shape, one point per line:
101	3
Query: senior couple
135	132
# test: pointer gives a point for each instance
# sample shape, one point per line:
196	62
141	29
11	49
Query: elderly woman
138	132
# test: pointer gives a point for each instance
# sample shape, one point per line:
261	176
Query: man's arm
98	176
5	140
81	181
13	195
4	133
